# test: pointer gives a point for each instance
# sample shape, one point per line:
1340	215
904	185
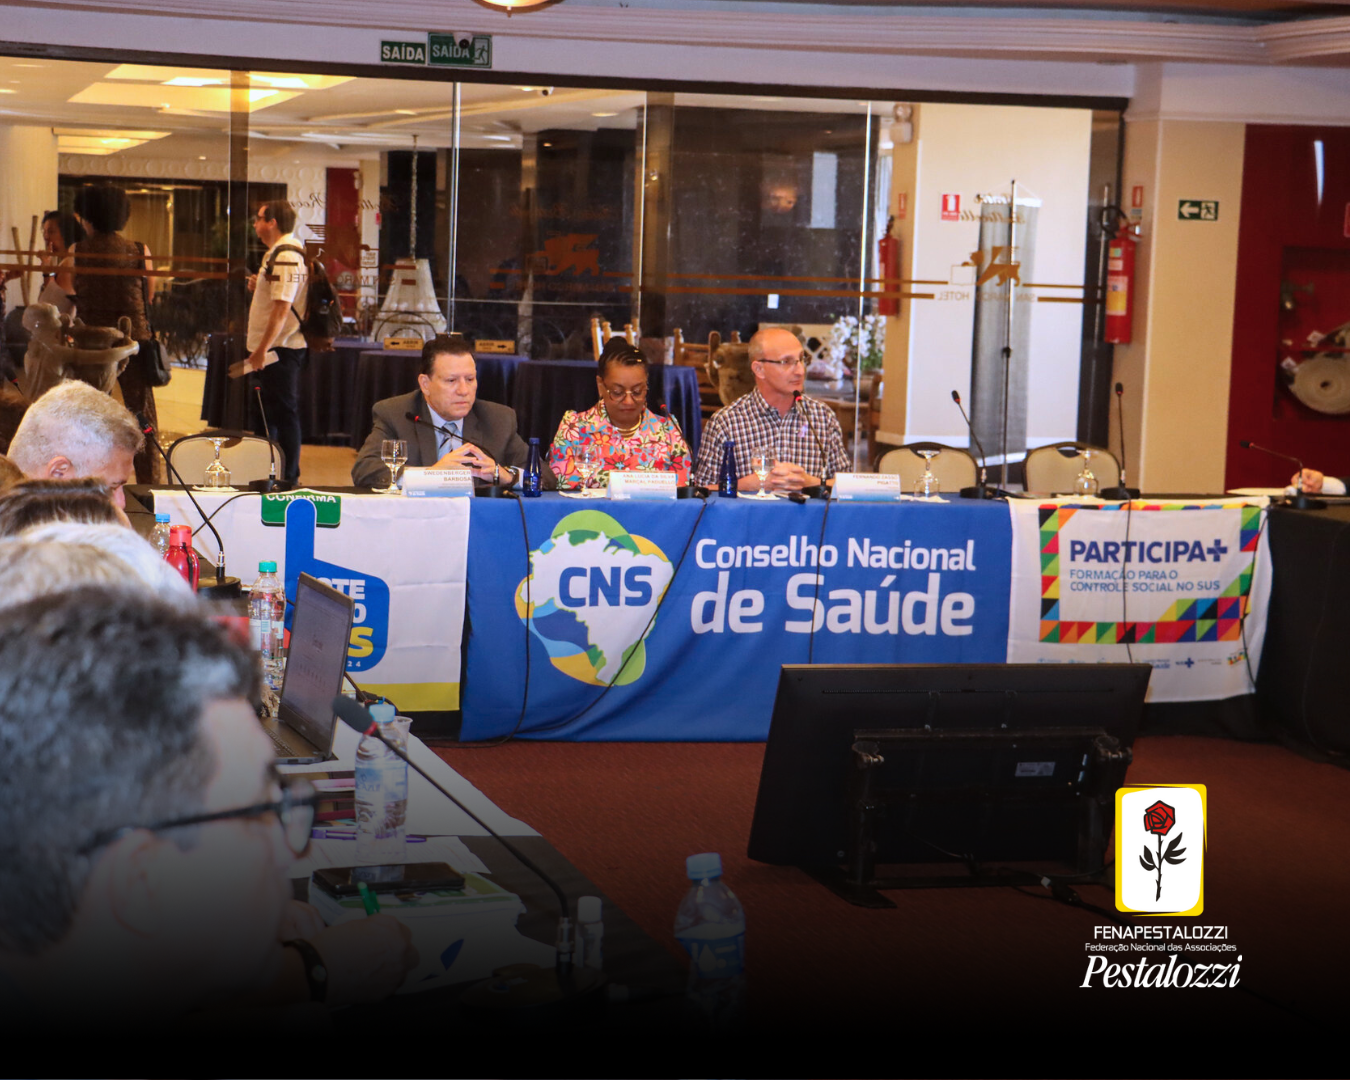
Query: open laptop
321	629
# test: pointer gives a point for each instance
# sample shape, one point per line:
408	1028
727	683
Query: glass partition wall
526	218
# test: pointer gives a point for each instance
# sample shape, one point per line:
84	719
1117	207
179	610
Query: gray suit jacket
488	426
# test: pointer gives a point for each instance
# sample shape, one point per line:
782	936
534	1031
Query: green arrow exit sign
1198	210
441	50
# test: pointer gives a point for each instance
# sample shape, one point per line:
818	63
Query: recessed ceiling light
604	114
31	65
527	89
7	90
406	112
201	157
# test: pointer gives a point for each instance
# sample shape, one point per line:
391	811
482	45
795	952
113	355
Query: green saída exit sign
460	50
403	52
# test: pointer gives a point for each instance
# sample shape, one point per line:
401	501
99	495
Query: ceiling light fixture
511	6
604	114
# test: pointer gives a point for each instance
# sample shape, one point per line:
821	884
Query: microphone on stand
692	489
224	588
449	433
1300	500
270	484
525	988
824	458
1120	491
981	490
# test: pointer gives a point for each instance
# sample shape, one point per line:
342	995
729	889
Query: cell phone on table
344	881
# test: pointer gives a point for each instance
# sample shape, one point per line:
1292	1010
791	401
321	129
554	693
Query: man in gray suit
454	430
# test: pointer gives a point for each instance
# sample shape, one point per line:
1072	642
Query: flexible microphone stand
797	404
981	490
270	484
224	588
1120	491
1300	500
526	987
692	490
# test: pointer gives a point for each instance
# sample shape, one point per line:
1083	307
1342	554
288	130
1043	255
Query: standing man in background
276	347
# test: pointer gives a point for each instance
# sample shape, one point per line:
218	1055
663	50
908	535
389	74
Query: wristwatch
316	971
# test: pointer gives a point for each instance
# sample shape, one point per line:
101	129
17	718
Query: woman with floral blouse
620	427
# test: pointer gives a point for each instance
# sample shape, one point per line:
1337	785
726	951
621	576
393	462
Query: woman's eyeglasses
616	396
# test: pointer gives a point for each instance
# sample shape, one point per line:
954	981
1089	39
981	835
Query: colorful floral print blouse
655	445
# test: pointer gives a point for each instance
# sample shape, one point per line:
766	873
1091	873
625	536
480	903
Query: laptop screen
320	629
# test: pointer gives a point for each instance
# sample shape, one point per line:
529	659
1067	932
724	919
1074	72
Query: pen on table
368	898
350	834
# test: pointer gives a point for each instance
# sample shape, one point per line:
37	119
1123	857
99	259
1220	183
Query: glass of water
762	461
393	452
217	475
588	464
928	484
1085	483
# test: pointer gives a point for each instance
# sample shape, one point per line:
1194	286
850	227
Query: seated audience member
36	502
771	416
1314	483
145	836
619	427
455	430
10	474
73	430
139	565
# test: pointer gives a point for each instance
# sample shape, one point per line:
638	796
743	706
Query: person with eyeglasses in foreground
773	417
145	837
619	428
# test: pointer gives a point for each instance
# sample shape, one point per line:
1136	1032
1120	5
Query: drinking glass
927	484
393	452
588	463
1085	483
762	460
217	475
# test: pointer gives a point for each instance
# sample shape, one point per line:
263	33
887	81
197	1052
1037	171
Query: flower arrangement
860	349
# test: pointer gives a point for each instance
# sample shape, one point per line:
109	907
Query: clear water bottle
382	791
710	925
532	485
727	488
160	535
267	623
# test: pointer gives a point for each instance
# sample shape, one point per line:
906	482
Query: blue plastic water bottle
532	487
727	490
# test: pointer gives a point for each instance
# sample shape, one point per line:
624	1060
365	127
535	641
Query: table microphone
691	490
1300	500
224	588
981	490
824	458
526	987
270	484
449	433
1120	491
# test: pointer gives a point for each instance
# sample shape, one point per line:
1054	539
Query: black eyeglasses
294	810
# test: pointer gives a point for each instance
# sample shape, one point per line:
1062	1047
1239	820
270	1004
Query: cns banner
1181	586
667	621
402	561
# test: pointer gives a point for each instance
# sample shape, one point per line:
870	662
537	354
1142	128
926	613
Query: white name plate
867	487
643	485
423	483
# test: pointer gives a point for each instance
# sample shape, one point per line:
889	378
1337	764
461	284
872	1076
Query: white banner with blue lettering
669	621
1180	585
401	560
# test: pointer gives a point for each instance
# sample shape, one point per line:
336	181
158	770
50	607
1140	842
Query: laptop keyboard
279	743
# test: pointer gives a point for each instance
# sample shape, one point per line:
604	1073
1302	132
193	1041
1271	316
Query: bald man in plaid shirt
773	416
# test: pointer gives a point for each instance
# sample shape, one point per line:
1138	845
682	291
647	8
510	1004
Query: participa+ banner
402	561
1179	585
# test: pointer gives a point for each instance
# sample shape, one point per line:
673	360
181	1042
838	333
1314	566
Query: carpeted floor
627	814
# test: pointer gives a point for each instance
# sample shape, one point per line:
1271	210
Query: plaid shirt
753	422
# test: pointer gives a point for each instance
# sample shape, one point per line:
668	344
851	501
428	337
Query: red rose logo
1159	819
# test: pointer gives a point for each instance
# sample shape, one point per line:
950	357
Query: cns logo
1160	849
593	589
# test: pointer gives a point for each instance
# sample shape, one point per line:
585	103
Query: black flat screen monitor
801	812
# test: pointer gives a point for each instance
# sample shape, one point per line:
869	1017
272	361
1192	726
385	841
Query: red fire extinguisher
888	254
1119	289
